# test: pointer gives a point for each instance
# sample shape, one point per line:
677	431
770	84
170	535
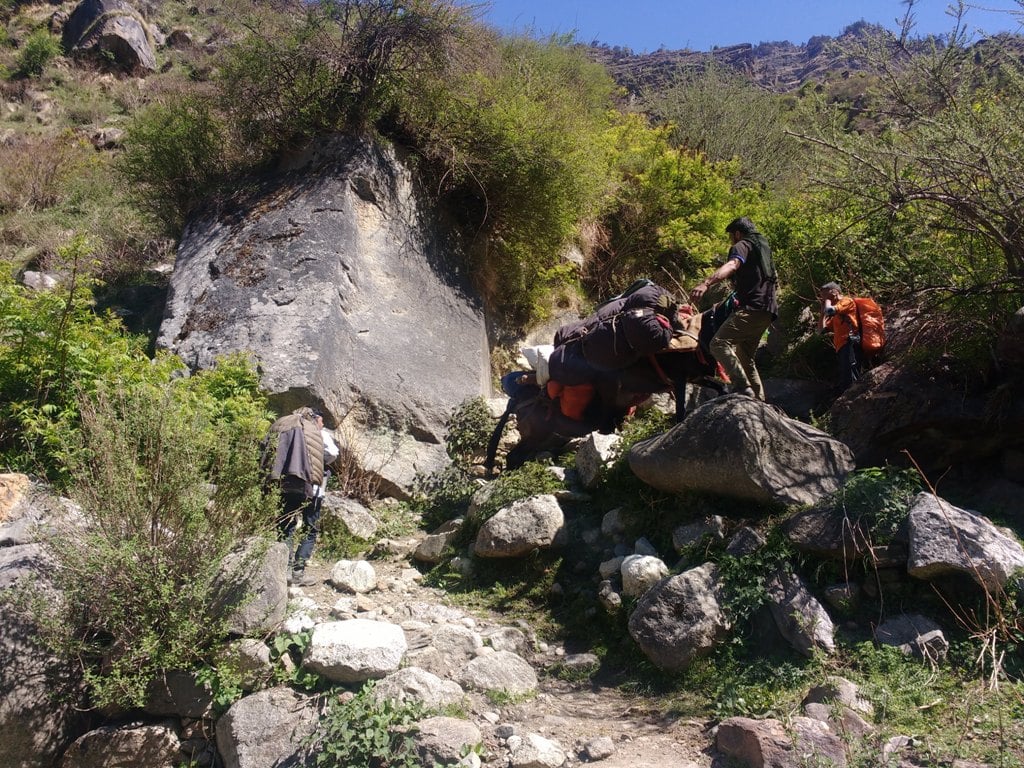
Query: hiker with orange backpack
857	329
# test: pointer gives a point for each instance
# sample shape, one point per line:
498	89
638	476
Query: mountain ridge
778	66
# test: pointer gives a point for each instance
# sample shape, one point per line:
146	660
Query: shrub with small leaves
469	429
366	732
880	498
39	50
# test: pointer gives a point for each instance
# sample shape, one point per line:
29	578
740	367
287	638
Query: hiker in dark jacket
299	469
749	265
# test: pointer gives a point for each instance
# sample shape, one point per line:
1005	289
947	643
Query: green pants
735	344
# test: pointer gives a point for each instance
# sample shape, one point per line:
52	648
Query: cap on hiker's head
830	287
742	225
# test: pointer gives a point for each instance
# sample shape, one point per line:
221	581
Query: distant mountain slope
777	66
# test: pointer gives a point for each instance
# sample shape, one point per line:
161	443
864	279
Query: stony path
573	714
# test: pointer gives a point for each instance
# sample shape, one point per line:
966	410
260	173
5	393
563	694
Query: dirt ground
573	714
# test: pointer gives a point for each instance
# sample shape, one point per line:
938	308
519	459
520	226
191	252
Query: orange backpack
572	400
872	325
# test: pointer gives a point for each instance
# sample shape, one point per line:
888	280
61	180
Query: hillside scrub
139	572
919	206
506	130
53	346
720	114
667	211
517	144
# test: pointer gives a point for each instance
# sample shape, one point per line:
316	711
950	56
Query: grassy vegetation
525	143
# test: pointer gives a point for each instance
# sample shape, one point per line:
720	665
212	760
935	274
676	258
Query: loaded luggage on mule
600	368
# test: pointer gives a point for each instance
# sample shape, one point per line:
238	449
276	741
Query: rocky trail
603	725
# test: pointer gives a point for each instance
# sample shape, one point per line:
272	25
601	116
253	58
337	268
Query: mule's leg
680	395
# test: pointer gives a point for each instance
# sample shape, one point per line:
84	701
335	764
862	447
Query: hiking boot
299	578
746	392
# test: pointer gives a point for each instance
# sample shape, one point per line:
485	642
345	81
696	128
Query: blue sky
647	25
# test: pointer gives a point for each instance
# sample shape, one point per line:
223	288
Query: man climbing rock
749	265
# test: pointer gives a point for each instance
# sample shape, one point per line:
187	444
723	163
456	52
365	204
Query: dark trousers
293	505
850	362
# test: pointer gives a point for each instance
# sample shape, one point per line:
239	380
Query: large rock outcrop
110	29
40	694
739	447
346	291
894	410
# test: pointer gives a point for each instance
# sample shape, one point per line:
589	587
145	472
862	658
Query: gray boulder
801	619
29	511
945	539
772	744
456	644
680	619
151	746
535	751
342	286
595	453
640	573
413	684
741	448
499	671
894	410
111	28
38	691
252	587
355	576
355	650
356	518
178	693
445	740
433	547
913	635
697	532
266	729
521	527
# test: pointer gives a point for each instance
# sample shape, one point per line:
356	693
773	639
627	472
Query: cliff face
341	282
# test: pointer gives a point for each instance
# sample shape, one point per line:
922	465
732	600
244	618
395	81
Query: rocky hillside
781	66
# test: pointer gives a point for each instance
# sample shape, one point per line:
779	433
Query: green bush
39	50
515	140
528	480
52	347
669	210
337	66
167	477
879	498
444	495
175	154
469	430
363	731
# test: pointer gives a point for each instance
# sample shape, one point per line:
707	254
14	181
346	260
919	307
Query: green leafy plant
167	477
879	498
444	495
529	480
53	346
744	578
176	155
224	681
469	429
293	645
363	731
39	50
